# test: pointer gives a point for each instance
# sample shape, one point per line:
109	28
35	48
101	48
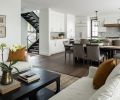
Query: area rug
65	81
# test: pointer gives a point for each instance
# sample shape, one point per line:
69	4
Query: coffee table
30	90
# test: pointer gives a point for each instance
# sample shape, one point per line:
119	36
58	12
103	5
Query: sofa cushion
82	89
110	91
115	72
18	55
102	73
92	71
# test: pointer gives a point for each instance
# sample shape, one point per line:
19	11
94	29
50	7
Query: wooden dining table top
101	46
111	47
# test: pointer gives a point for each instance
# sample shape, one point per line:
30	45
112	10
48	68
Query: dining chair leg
99	62
73	60
69	57
65	56
83	61
103	59
116	60
90	62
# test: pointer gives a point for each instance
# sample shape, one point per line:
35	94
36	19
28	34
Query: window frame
94	36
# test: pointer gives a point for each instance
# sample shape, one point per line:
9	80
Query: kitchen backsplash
111	32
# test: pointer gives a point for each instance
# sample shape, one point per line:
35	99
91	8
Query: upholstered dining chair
68	49
117	52
79	52
116	42
84	41
93	53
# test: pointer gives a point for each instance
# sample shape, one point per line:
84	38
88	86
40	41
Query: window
94	28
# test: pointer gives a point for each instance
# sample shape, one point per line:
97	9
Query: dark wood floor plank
57	63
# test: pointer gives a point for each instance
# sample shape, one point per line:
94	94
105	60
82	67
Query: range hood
111	25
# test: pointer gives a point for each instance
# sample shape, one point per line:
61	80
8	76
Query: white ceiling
78	7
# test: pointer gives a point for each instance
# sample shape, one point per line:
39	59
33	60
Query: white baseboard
44	53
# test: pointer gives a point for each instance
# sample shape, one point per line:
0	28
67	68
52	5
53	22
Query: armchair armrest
92	71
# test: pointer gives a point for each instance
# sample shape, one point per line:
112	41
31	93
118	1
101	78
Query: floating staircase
34	48
33	19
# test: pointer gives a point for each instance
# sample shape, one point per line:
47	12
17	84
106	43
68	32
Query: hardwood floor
57	63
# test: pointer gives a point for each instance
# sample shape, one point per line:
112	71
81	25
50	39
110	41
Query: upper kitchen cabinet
70	26
81	27
111	20
57	22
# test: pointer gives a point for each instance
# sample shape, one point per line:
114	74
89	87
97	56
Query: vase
6	78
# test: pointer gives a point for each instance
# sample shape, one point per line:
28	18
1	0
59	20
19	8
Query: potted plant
7	67
61	35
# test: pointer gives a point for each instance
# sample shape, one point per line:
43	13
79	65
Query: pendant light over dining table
96	18
94	25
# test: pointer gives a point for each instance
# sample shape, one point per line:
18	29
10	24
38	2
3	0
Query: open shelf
111	25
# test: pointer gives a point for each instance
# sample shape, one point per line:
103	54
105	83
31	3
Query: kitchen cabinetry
81	28
57	22
111	20
70	26
56	46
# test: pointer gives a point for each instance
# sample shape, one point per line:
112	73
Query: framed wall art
2	26
2	32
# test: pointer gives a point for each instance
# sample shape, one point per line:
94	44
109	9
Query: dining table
108	49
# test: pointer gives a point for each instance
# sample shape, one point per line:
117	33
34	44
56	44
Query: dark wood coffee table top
31	89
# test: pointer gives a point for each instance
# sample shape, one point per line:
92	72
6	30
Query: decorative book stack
7	88
29	77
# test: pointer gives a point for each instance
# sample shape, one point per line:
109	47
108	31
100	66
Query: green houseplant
7	67
61	34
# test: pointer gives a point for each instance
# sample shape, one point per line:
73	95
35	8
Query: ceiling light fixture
96	16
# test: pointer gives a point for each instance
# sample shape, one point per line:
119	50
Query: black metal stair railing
32	19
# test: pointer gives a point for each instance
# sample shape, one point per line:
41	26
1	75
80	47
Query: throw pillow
109	91
102	73
19	55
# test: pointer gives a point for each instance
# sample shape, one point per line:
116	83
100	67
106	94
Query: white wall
44	32
23	32
12	10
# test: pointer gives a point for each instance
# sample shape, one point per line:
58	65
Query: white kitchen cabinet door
56	46
111	20
70	26
61	23
57	22
59	46
52	22
53	48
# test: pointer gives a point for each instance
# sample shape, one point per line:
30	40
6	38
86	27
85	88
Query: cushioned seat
82	89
